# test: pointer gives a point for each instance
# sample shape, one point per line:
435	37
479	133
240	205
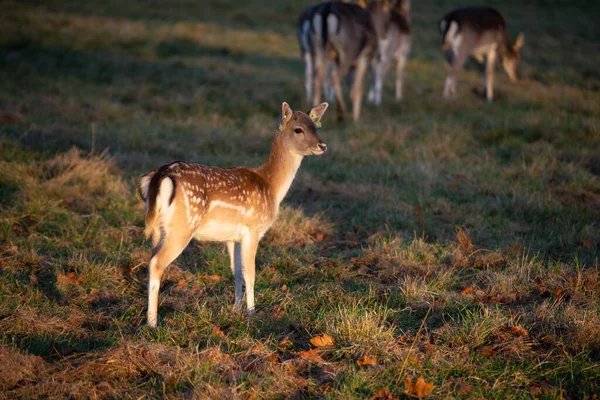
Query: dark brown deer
479	32
185	200
339	37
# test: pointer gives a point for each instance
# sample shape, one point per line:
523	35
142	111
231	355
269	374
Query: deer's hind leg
170	237
490	64
357	89
168	249
400	66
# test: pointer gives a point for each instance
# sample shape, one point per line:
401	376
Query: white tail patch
165	192
304	37
453	38
452	30
317	26
144	185
333	24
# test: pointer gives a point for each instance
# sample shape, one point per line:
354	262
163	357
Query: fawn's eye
298	130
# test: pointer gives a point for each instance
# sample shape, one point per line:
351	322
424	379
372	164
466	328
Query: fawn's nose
322	146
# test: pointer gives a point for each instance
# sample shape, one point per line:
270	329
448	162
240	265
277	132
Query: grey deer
391	19
479	32
336	37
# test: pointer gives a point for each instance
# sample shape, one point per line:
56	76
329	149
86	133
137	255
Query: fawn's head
512	58
299	130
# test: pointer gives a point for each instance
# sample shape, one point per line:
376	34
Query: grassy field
457	241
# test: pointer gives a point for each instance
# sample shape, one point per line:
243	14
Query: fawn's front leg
249	247
235	258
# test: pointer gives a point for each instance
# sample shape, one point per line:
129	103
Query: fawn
185	200
480	32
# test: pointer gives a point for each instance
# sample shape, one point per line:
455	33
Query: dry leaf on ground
366	360
323	340
311	355
70	278
212	278
419	388
519	331
487	351
217	331
466	291
383	394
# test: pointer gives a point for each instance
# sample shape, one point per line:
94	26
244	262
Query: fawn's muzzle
322	146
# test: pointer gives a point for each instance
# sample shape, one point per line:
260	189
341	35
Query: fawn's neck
280	169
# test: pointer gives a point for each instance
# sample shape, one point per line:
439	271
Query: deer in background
391	19
304	34
479	32
336	37
185	200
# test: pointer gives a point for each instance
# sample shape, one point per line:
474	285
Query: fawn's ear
286	115
519	42
317	112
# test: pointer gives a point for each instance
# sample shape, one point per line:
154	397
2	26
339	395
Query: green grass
375	242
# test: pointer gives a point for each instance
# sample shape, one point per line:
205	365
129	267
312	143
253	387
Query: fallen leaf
366	360
319	236
487	351
217	331
501	298
33	279
420	388
212	278
383	394
466	291
274	358
277	312
519	330
323	340
311	355
429	347
70	278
